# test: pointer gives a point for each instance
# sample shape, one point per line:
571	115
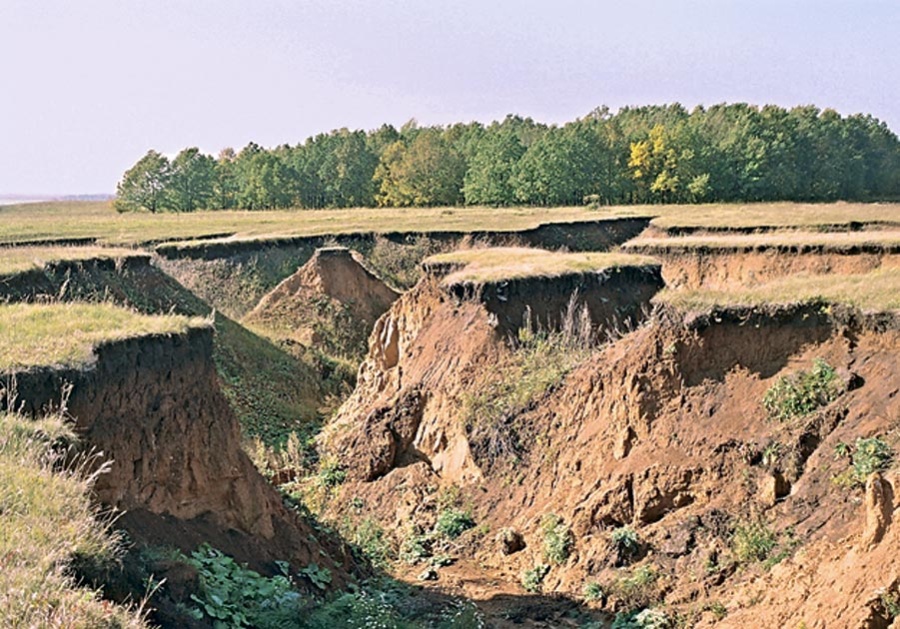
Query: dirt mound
332	301
659	437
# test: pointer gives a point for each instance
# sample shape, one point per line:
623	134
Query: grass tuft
46	522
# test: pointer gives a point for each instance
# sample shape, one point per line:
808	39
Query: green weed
803	392
533	579
557	539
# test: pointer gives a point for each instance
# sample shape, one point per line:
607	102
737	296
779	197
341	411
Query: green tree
427	172
144	185
489	178
192	181
263	180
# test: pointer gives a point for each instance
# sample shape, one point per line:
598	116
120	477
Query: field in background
99	221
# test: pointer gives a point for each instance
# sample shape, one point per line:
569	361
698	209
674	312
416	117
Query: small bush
533	580
643	619
625	543
357	610
637	590
557	539
802	393
867	456
416	547
870	456
331	473
369	539
593	591
452	523
753	541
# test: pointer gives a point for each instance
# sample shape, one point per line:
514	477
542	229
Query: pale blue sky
88	86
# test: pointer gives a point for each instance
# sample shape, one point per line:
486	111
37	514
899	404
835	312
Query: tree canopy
652	154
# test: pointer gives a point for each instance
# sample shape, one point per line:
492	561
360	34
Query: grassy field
98	220
505	263
46	521
878	291
794	240
66	335
776	215
21	259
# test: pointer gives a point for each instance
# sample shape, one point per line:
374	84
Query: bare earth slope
662	430
333	301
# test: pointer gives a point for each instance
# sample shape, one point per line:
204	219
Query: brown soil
333	300
152	408
662	430
717	270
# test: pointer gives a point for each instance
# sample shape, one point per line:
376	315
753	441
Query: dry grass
66	334
67	220
781	215
505	263
45	521
791	240
878	291
21	259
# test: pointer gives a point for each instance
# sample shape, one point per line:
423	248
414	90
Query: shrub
369	539
331	473
753	541
452	523
803	392
626	543
593	591
643	619
867	456
557	539
638	590
416	547
870	455
533	580
356	610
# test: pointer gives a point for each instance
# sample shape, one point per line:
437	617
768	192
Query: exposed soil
152	409
332	301
662	430
723	269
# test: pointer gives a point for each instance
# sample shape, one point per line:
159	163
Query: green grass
46	521
504	263
877	291
67	220
791	240
22	259
66	334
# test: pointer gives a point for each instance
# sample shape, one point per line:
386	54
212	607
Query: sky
88	86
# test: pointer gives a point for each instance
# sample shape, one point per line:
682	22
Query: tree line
652	154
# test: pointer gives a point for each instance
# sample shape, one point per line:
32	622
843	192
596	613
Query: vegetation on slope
46	522
66	334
